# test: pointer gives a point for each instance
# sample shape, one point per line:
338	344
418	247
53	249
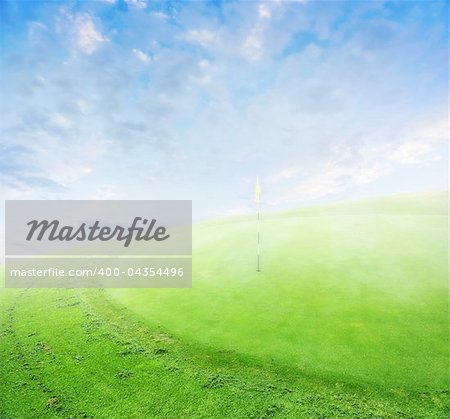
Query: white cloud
367	164
70	162
137	4
142	56
264	11
411	152
36	31
200	36
335	178
326	183
61	121
435	132
37	26
421	147
160	15
226	116
253	45
284	174
206	70
87	37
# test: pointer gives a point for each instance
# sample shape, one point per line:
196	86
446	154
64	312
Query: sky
128	99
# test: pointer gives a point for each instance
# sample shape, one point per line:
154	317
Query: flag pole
257	200
258	251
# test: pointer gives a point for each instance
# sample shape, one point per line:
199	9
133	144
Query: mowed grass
355	292
348	318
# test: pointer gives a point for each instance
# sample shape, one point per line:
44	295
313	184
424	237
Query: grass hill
348	318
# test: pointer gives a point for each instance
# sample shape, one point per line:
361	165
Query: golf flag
257	190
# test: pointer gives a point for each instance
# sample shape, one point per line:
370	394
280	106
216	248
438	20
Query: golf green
348	318
356	292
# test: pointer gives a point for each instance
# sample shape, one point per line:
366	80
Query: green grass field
348	319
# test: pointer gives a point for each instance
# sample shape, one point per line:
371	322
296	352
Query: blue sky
324	100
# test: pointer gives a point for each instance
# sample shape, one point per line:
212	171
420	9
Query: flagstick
257	200
257	211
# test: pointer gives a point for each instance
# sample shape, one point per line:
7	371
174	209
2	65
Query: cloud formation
87	37
162	100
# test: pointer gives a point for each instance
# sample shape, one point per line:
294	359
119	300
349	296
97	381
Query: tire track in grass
19	355
31	353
